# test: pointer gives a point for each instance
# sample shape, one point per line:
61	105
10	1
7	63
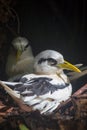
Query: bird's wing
38	93
43	95
39	86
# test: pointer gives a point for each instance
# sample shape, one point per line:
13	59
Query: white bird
20	59
47	87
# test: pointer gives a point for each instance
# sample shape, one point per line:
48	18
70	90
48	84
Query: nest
71	114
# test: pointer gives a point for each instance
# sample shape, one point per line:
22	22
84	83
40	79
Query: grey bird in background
20	58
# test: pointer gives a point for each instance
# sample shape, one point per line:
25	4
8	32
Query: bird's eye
52	61
26	46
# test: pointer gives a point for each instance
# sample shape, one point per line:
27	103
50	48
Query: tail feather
11	92
16	97
12	84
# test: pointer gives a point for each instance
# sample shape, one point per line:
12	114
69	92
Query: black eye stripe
50	60
26	46
41	60
21	46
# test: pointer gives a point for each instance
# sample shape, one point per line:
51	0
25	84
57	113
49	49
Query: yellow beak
69	66
18	54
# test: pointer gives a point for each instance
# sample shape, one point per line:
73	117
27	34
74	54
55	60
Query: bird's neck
27	54
63	77
58	76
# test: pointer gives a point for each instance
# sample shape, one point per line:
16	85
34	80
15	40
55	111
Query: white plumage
47	87
20	59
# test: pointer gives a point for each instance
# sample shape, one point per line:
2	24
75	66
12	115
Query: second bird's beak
18	54
68	66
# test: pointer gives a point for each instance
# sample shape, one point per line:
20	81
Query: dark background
50	24
59	25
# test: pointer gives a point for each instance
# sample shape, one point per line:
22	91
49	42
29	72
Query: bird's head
20	45
52	62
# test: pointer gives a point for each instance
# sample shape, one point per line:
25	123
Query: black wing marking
38	86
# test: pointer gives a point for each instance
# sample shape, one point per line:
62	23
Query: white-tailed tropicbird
20	59
47	87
